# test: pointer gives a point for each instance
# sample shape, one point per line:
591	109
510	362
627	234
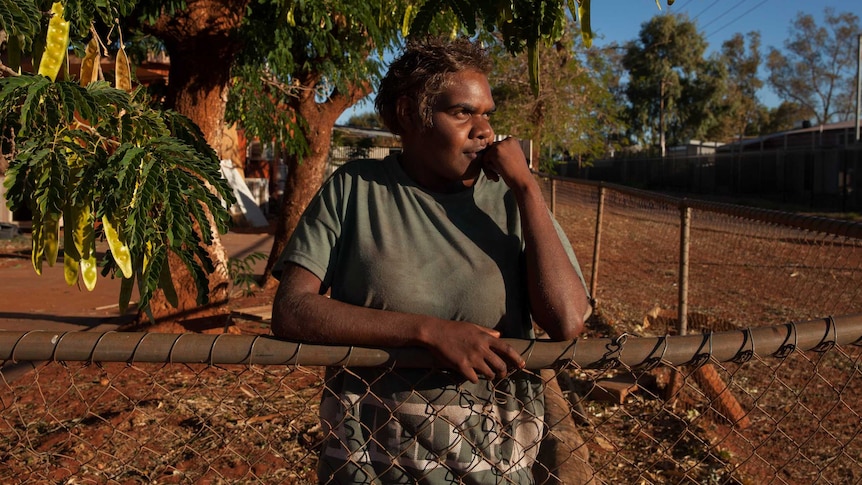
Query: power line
737	18
678	7
714	3
740	2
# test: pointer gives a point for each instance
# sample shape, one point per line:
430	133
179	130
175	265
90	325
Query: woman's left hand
505	159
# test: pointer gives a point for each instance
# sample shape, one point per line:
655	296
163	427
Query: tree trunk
305	175
537	119
201	44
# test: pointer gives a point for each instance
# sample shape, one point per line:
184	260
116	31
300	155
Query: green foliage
257	103
361	148
305	48
818	69
366	120
150	10
782	118
671	82
26	23
521	23
149	172
741	111
241	272
83	12
19	18
573	114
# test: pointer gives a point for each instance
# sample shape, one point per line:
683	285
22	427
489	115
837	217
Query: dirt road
32	302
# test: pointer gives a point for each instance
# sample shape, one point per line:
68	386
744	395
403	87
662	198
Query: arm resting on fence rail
130	347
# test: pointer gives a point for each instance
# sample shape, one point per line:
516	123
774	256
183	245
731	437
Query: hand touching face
505	159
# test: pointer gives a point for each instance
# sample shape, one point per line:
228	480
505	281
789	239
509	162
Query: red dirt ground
30	302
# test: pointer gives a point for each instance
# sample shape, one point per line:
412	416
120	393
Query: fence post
597	242
553	195
684	236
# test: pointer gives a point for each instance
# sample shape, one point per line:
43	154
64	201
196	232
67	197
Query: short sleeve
314	244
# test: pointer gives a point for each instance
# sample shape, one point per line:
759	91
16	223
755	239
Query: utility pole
661	119
858	86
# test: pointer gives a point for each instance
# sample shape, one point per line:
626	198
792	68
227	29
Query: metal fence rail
599	353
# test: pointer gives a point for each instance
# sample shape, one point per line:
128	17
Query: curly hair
422	72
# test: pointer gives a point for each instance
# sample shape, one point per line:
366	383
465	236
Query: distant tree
819	66
786	116
365	120
573	109
674	93
607	64
361	147
742	108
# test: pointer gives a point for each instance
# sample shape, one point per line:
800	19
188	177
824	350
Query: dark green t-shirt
378	240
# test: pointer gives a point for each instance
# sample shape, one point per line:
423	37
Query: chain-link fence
730	393
738	266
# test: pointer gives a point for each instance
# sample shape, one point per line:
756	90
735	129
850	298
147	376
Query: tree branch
7	71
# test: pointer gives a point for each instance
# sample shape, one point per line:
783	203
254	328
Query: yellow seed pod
123	71
121	253
51	238
89	272
289	17
56	43
70	269
91	63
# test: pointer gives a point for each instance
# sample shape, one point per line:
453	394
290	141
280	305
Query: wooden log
720	397
563	456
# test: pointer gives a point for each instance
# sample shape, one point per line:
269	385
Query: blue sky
620	21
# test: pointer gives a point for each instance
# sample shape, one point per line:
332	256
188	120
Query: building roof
365	132
823	136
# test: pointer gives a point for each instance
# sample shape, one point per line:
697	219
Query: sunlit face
443	158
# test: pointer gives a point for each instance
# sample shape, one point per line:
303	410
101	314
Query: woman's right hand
301	313
472	350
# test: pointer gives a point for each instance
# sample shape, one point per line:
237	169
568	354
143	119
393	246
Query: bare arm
300	312
558	299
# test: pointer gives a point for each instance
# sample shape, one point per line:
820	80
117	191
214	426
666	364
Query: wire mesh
793	418
743	270
629	403
771	273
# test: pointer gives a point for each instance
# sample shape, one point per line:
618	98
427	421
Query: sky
718	20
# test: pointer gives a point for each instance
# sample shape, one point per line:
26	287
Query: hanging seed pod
91	63
119	250
122	71
56	43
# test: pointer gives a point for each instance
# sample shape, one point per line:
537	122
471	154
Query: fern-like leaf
464	11
33	104
422	22
19	17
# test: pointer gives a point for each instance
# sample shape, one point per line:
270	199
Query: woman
447	246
